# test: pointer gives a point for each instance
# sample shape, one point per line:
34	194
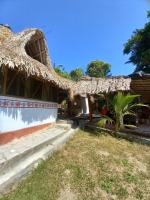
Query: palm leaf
127	101
129	126
104	120
123	102
129	113
139	105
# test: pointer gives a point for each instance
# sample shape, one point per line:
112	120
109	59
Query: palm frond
129	113
127	101
123	102
139	105
104	120
130	126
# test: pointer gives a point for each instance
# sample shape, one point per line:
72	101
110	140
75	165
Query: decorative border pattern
19	103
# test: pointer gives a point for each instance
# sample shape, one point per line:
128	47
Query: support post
5	80
36	90
90	108
27	91
85	105
45	91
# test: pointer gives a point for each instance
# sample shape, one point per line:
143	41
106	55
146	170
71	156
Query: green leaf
130	126
129	113
139	105
104	120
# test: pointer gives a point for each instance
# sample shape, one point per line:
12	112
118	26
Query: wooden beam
47	89
36	90
29	50
40	52
27	86
43	90
34	56
50	93
11	82
34	48
18	86
34	40
5	80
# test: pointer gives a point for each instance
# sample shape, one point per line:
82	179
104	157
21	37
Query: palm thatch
14	54
103	85
27	52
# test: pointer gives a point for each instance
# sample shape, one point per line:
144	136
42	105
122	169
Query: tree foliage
138	46
76	74
61	71
98	69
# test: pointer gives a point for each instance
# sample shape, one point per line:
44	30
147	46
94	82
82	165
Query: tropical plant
122	105
98	68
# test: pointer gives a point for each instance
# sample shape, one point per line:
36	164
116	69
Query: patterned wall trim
11	102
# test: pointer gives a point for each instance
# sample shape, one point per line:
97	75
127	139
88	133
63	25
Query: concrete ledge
15	169
9	136
13	154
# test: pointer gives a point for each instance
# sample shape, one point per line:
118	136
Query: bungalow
30	90
29	87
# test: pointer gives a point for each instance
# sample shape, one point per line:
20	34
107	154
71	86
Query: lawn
90	167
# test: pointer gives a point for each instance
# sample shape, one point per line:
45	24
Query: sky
79	31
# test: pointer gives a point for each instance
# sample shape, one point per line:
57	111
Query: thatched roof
27	52
103	85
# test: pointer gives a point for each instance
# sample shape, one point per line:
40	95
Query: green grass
90	167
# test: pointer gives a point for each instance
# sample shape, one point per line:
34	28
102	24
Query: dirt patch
103	153
67	172
67	194
141	167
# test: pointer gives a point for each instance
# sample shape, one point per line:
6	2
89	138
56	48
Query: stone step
18	150
23	165
65	122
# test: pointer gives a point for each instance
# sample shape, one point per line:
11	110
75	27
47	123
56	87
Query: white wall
17	113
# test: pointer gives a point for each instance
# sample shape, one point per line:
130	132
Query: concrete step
18	150
65	122
15	167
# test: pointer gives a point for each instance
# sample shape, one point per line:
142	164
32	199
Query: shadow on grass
97	131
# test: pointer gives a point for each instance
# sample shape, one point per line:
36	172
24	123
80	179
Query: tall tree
138	46
98	68
76	74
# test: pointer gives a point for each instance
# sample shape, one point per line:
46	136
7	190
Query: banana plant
122	105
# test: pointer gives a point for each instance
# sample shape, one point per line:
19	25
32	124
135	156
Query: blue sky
78	31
